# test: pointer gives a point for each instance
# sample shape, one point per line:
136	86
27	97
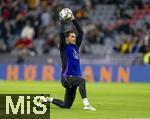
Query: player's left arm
62	35
80	32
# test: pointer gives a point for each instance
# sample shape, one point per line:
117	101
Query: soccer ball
65	14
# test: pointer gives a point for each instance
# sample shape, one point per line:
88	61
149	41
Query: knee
67	106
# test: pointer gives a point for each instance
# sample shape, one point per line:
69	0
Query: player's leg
69	95
82	90
68	99
76	81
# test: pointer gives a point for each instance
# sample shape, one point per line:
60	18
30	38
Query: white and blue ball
65	14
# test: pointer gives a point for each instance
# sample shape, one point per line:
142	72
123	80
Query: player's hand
72	18
61	19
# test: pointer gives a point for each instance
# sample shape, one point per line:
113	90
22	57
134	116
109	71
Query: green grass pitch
112	100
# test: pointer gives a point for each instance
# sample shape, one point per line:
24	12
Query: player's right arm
79	30
62	35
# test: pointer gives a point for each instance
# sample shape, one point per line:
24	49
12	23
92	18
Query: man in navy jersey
71	72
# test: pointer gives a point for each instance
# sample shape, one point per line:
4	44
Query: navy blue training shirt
73	60
69	53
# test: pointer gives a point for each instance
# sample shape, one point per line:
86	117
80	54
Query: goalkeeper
71	73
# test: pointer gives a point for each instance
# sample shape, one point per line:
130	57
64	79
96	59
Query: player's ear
67	40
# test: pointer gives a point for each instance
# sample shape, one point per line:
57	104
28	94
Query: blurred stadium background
115	48
116	31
